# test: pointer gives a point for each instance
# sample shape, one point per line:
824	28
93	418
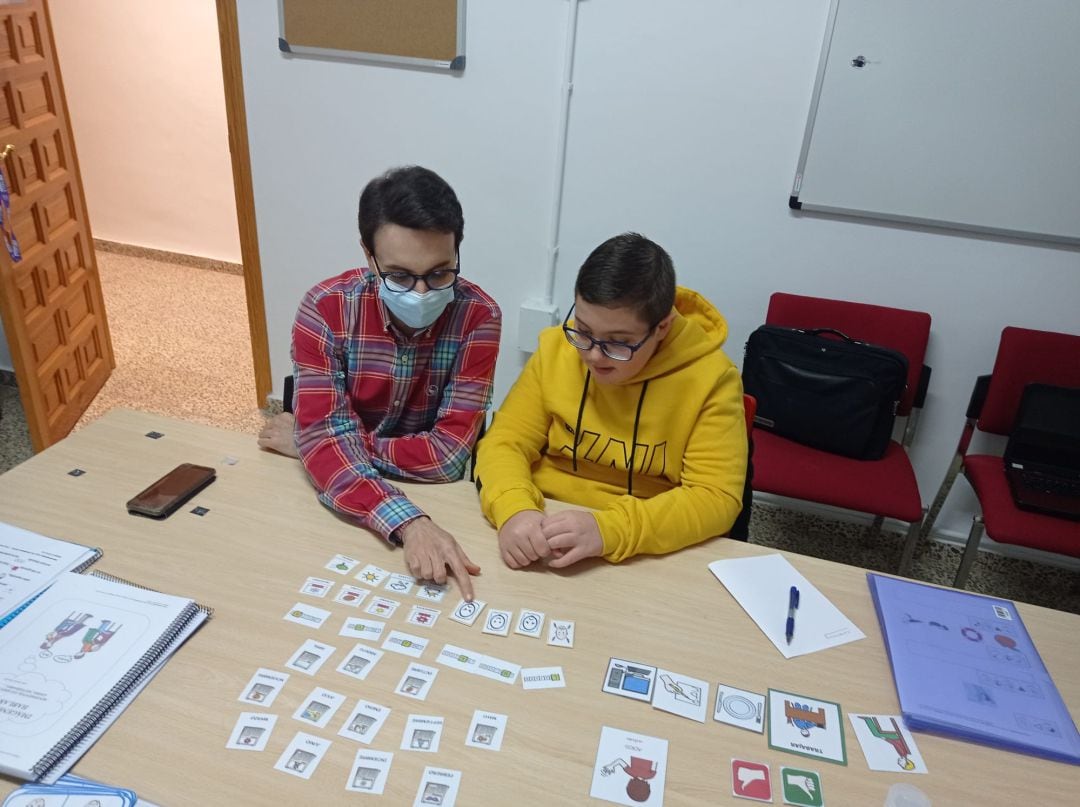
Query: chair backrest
905	331
1025	357
750	408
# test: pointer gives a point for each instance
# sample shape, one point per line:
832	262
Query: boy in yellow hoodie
630	408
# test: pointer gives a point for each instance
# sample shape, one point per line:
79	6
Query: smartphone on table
166	495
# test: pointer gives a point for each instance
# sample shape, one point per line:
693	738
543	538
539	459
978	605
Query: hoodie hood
698	329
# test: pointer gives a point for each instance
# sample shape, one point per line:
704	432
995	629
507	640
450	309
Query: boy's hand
521	539
429	549
572	535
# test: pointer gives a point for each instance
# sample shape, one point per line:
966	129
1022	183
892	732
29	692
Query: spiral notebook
30	562
72	661
965	666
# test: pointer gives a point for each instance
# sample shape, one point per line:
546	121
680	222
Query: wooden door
50	301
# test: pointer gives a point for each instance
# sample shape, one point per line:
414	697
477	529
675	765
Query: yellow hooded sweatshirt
689	456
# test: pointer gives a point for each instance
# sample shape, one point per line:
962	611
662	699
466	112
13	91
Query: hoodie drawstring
580	409
633	441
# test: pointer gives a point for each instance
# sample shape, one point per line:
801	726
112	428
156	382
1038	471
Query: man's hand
521	539
277	435
429	550
572	535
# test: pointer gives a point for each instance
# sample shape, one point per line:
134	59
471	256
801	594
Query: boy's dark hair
412	197
629	270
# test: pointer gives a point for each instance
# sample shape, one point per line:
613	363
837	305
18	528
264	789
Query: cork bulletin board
426	33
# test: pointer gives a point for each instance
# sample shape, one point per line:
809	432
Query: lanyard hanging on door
7	227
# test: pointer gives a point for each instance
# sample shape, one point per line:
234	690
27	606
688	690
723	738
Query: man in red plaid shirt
393	370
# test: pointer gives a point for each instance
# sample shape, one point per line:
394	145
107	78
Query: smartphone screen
172	490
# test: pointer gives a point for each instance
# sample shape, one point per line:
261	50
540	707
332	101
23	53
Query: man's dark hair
632	271
412	197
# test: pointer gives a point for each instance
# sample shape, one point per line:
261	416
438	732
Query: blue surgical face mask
414	309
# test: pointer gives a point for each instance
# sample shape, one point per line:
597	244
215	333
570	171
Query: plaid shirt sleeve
441	454
329	434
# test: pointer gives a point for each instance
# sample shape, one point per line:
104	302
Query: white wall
686	124
144	89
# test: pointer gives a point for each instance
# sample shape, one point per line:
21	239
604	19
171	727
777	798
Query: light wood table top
265	533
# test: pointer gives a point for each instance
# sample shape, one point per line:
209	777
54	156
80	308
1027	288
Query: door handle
9	149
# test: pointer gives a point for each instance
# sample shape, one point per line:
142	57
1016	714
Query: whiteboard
950	113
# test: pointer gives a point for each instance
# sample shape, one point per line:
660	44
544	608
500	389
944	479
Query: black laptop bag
828	392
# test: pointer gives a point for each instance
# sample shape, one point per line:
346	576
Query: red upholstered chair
1024	357
885	488
740	530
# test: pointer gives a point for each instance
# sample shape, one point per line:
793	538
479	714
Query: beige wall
144	88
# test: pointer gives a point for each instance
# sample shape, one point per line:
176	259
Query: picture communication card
806	726
965	666
887	744
630	768
630	679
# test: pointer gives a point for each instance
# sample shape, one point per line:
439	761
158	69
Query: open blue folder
965	666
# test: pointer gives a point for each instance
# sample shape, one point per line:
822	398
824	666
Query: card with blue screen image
631	679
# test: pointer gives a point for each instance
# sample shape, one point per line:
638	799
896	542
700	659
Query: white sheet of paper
364	722
761	585
629	763
681	695
887	743
251	732
302	755
437	786
486	730
369	772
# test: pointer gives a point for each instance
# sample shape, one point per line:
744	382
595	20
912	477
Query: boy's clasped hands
559	539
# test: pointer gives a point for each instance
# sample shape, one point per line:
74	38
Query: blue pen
793	605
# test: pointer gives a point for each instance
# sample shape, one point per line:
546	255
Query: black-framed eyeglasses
436	280
618	351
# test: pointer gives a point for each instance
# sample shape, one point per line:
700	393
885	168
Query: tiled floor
182	347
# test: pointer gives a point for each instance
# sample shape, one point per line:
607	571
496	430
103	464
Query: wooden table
265	533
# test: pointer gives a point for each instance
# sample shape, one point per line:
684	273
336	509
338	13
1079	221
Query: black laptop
1042	457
